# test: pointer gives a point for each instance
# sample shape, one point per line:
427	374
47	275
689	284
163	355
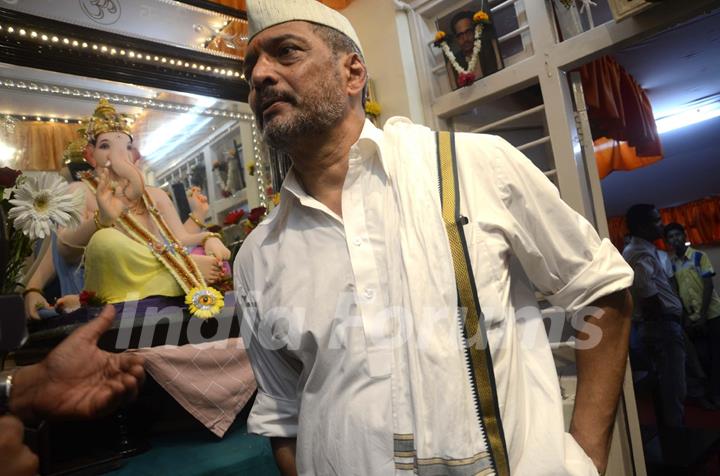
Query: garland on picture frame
465	76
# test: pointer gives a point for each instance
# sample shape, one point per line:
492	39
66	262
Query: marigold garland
373	108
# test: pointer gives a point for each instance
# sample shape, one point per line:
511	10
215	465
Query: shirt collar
689	252
368	144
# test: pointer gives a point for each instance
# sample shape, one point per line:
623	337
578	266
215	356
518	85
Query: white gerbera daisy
42	203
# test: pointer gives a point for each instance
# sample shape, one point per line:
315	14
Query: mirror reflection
179	139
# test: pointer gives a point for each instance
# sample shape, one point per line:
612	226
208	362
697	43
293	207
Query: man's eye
287	50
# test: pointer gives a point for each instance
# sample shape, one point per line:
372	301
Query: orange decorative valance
619	110
611	154
700	218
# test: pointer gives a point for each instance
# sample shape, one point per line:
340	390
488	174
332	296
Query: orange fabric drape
700	218
619	155
619	109
42	143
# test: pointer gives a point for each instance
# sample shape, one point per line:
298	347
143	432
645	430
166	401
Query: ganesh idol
132	241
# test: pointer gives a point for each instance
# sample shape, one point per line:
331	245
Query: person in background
694	274
76	380
659	310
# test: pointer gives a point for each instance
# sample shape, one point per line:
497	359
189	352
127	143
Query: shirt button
369	293
357	241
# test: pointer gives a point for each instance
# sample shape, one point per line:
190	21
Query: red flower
8	177
90	299
86	297
234	217
256	214
466	79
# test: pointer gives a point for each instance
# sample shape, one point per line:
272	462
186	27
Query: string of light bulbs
138	101
114	51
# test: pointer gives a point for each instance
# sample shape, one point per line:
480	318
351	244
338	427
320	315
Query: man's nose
264	72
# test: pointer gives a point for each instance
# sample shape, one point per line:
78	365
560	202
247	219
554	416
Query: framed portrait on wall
460	29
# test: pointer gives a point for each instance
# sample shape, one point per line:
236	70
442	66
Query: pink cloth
212	381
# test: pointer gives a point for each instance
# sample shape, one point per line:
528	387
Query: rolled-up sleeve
276	408
559	250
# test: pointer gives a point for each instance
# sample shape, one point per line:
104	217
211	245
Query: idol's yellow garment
119	269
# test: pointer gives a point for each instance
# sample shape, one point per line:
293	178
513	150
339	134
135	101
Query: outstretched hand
77	379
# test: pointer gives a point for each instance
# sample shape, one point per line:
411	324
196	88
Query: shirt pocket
489	255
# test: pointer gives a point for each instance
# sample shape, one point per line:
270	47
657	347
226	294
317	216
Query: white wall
385	39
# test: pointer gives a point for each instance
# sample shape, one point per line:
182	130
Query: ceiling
160	135
676	67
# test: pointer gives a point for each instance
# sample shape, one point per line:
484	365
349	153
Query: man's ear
88	153
356	74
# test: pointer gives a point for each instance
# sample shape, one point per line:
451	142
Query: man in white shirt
348	288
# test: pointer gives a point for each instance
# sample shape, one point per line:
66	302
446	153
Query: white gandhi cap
262	14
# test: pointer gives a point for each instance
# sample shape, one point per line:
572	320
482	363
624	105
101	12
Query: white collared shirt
320	279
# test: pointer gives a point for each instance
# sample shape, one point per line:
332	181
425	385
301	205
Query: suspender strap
479	357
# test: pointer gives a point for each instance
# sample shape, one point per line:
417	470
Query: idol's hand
110	205
68	303
210	267
199	205
33	303
131	183
215	247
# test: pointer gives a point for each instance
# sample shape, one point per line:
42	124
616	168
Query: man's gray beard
322	114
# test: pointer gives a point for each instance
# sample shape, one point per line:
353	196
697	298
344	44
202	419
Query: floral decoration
204	302
234	217
373	108
44	202
91	299
15	246
8	177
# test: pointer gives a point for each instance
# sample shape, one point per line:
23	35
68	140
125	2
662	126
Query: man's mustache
270	95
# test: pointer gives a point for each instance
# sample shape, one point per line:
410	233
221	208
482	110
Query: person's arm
276	409
708	288
284	453
71	241
39	277
16	458
77	379
600	372
567	262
